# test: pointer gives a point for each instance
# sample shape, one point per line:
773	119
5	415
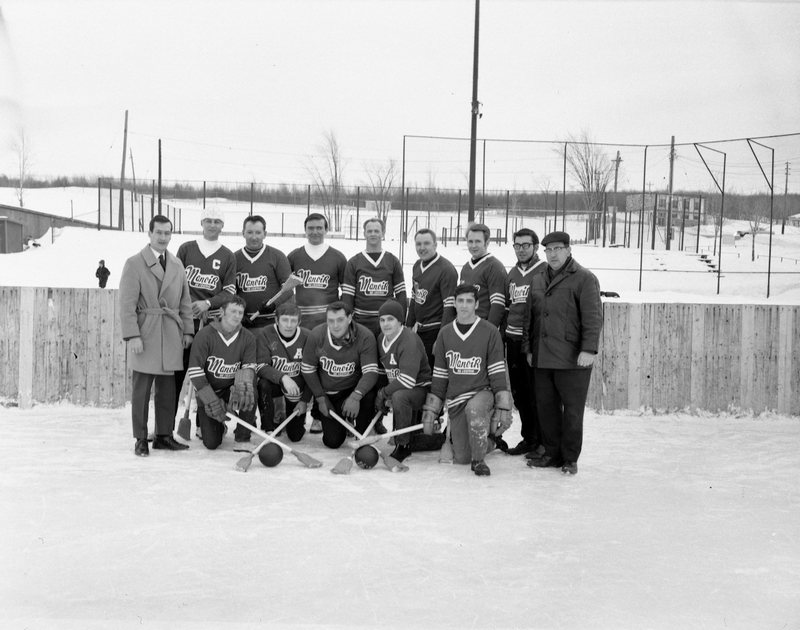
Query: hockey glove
382	402
243	394
213	405
501	418
430	414
266	309
324	405
351	406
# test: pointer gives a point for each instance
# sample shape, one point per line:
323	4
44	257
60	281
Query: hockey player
222	368
434	280
340	366
322	269
211	274
371	277
260	272
518	284
469	375
405	378
487	274
280	357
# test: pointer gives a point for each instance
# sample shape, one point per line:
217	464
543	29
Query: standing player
340	366
280	357
434	280
518	285
469	374
321	268
260	272
222	368
211	274
487	274
371	277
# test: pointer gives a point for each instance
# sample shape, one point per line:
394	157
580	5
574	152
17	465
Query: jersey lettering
289	368
334	369
368	286
200	280
216	366
420	295
518	294
313	281
468	365
247	284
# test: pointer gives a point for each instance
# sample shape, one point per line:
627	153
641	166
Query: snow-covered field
672	522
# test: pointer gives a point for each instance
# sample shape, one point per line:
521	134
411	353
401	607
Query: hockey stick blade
343	466
446	454
244	462
303	458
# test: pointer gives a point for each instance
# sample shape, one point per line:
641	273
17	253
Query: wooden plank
697	370
105	355
9	341
634	356
596	394
747	358
764	394
27	299
784	360
616	342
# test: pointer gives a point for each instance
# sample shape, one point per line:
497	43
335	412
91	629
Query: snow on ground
672	522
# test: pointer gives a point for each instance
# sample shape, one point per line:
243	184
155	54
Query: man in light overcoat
156	314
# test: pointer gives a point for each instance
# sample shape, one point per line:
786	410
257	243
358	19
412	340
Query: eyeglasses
553	250
523	245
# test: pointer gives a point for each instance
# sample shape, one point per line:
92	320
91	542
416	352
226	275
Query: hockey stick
244	463
390	462
344	465
446	454
291	282
184	424
363	441
303	458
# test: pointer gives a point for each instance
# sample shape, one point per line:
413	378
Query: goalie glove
430	414
243	393
501	418
213	405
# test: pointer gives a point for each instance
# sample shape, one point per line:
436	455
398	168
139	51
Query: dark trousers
523	391
213	430
333	433
406	407
164	398
561	400
428	339
267	394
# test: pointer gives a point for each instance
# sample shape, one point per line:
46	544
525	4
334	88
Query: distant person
561	337
156	318
486	274
102	274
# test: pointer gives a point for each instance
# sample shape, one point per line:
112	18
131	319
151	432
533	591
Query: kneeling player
469	373
222	368
340	367
280	356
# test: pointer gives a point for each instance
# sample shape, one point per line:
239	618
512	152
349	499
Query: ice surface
673	521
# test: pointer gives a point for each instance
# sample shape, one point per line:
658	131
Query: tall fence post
99	187
358	203
458	218
508	199
110	204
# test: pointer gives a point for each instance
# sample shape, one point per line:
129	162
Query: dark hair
159	218
316	216
234	299
526	232
287	308
255	218
339	306
480	227
465	287
426	231
376	220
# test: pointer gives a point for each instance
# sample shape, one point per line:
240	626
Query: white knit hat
212	212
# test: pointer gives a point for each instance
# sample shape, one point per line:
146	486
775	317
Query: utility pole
785	193
159	176
668	233
133	174
121	217
614	214
474	120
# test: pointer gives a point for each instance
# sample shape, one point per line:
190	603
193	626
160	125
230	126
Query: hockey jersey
212	278
403	362
432	303
214	359
518	285
330	368
369	283
466	363
322	279
258	278
489	275
278	357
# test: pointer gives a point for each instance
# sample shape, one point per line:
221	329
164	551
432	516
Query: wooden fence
65	345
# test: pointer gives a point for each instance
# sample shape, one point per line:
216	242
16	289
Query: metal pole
474	117
403	200
483	185
121	220
458	218
655	221
563	197
641	219
99	187
508	199
358	201
159	176
721	214
668	226
110	204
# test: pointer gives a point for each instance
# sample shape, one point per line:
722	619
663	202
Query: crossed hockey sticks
291	282
344	465
244	463
390	462
303	458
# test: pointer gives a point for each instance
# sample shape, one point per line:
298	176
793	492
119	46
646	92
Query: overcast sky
243	91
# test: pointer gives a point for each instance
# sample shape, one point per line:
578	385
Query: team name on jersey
335	369
201	280
217	367
467	365
313	280
420	295
518	294
250	285
368	286
392	374
290	368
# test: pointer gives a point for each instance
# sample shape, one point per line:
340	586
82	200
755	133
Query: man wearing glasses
518	285
561	337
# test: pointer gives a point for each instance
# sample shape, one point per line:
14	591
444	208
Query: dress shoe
536	453
545	461
480	468
141	449
168	443
570	468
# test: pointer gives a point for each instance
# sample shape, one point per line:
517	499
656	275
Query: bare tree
22	149
755	221
592	171
326	170
381	178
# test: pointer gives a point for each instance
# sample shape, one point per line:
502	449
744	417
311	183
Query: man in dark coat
102	274
561	337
